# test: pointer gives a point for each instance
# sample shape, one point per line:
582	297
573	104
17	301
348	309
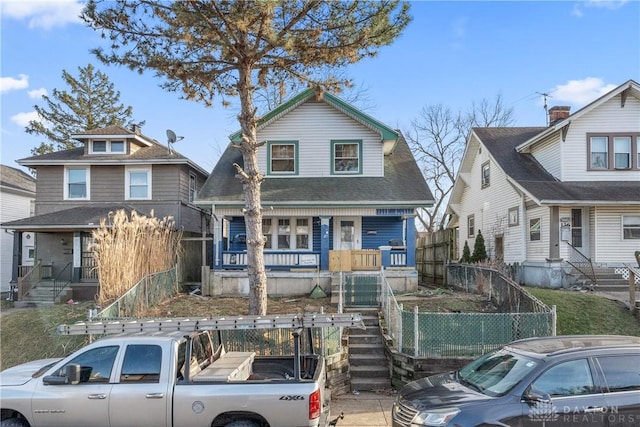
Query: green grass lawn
585	313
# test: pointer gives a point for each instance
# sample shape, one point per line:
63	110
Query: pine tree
218	50
466	254
90	103
479	251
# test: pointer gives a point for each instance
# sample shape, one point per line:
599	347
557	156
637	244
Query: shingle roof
83	217
402	184
528	173
15	178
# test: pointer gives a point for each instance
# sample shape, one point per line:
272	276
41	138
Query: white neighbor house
551	197
17	196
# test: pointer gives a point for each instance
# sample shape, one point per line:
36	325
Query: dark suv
575	381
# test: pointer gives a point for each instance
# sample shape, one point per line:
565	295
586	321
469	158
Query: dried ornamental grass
127	249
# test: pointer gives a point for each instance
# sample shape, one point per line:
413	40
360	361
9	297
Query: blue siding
386	229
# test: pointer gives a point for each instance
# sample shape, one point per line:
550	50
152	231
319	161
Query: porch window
267	232
534	229
289	234
76	183
138	183
282	158
486	175
346	157
631	227
471	232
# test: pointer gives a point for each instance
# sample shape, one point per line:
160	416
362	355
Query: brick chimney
558	113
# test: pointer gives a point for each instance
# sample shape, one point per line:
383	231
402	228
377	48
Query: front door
579	235
347	233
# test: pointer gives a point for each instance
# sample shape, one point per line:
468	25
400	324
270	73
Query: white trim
108	149
87	171
128	170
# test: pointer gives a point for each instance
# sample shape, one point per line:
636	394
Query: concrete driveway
366	409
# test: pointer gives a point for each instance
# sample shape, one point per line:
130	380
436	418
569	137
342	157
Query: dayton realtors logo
543	412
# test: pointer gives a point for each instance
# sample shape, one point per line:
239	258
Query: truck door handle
594	410
154	396
97	396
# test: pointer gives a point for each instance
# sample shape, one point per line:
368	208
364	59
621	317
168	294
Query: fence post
400	329
632	292
415	331
553	320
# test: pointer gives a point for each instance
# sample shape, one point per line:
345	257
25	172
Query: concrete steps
607	280
42	294
368	365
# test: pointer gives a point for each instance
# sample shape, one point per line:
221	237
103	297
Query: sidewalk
366	409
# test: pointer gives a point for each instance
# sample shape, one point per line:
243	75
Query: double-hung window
486	175
622	152
192	187
282	158
76	183
471	230
346	157
138	183
613	151
630	227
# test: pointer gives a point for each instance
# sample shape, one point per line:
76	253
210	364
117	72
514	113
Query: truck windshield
496	373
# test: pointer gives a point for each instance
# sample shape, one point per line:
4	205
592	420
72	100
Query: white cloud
45	14
580	92
599	4
11	83
37	93
23	119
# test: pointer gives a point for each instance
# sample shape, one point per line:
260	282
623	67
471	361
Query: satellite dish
171	136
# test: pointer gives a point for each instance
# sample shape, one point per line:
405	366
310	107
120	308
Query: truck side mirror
72	376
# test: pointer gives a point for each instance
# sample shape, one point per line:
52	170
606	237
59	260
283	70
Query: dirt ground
427	300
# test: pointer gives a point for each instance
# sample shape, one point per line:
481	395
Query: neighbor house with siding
114	168
17	196
555	199
339	183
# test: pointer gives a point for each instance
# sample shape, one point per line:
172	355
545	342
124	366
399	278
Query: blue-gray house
341	193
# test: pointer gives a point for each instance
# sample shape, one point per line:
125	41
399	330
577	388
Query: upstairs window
617	151
138	183
471	230
346	157
76	183
282	158
106	147
486	175
192	187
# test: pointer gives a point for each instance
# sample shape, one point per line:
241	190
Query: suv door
622	380
575	397
78	405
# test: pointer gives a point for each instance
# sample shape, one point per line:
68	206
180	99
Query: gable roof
401	186
115	131
526	173
17	180
386	133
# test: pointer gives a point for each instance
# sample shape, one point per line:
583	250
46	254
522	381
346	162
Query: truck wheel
13	422
241	423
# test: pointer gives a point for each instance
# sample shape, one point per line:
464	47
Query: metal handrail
59	282
582	263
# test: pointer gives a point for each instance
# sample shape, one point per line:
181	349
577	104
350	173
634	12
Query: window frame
87	182
108	146
535	223
127	181
514	216
270	159
338	142
485	178
291	237
634	228
610	156
471	229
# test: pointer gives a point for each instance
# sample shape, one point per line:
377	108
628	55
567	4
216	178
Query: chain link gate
361	290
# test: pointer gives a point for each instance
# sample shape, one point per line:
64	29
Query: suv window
142	364
617	370
571	378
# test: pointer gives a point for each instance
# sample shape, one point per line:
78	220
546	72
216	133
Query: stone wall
338	378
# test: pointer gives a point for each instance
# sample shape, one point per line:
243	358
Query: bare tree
228	49
438	137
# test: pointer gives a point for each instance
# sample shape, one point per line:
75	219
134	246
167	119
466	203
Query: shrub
479	251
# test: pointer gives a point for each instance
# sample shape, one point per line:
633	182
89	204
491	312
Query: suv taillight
315	406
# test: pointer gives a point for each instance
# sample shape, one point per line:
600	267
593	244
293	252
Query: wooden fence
432	256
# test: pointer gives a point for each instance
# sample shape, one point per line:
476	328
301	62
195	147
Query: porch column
217	242
77	257
410	227
325	239
554	234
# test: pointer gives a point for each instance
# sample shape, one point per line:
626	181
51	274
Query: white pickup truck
169	376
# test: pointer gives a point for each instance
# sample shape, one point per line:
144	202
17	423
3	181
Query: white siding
548	154
609	117
314	125
609	246
12	207
490	207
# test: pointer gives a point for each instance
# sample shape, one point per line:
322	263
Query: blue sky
453	53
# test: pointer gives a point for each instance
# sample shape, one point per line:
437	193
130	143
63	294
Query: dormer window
106	147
